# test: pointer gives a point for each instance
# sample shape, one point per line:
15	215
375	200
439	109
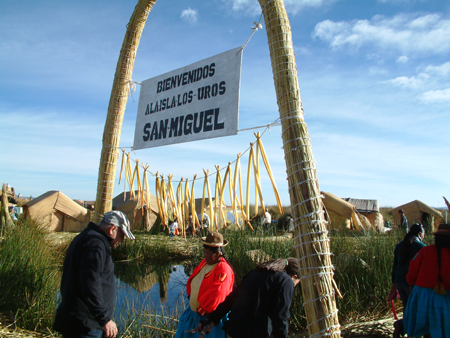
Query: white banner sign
192	103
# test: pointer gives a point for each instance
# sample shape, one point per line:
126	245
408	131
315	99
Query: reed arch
310	234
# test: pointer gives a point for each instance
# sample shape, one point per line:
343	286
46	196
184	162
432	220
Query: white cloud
436	96
190	15
407	33
402	59
292	6
413	82
441	71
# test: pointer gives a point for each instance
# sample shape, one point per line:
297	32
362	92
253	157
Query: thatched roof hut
417	211
341	214
57	210
370	210
139	215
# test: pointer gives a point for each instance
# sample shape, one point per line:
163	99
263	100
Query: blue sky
374	78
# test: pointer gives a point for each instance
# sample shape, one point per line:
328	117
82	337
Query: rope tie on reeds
268	126
316	254
322	332
288	116
282	33
290	103
312	214
303	182
296	164
322	318
109	163
311	233
296	139
297	148
319	298
292	124
293	70
112	146
301	169
318	267
310	242
320	274
308	199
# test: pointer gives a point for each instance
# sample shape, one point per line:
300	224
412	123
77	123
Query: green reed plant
363	266
156	249
29	276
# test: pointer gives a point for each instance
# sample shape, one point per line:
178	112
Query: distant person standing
267	219
88	285
403	221
290	220
205	224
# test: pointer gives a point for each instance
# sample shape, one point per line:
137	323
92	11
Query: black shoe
399	329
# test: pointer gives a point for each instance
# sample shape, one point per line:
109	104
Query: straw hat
214	239
443	229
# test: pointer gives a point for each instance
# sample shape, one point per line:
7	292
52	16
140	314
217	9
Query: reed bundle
310	234
116	109
182	204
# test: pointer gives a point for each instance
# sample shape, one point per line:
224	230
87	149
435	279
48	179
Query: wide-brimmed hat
214	239
443	229
118	219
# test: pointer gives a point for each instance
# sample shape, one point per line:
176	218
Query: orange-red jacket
215	286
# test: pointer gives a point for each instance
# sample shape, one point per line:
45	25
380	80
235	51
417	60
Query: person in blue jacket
403	253
88	287
259	306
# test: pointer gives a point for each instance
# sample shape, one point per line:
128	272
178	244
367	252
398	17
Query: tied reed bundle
116	108
310	234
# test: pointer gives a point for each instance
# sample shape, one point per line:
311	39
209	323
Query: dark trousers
403	291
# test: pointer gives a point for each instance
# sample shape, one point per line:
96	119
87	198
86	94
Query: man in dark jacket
88	286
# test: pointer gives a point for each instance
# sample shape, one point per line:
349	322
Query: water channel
151	289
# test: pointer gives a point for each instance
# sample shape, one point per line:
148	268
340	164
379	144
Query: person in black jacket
88	286
404	252
259	306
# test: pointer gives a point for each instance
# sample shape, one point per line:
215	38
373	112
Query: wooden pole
310	234
116	109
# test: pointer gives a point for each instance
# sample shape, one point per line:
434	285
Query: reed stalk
116	109
310	235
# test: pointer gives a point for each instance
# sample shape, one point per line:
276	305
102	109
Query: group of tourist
88	289
421	275
259	305
201	229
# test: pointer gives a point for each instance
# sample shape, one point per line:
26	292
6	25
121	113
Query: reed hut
58	211
342	214
141	216
417	211
370	209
